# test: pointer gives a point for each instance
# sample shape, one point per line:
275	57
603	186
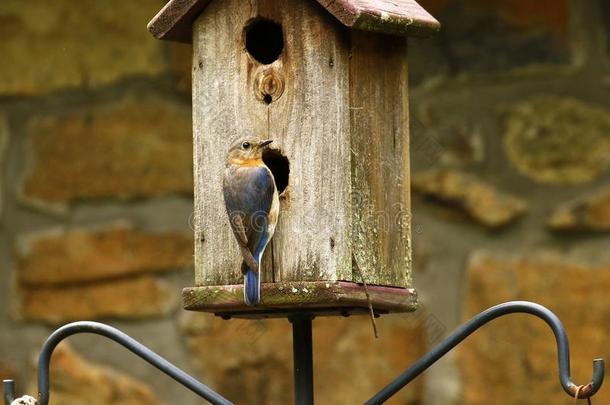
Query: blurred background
510	140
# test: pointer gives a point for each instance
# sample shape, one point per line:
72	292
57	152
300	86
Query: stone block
125	150
467	194
514	358
67	44
587	213
558	140
82	255
132	298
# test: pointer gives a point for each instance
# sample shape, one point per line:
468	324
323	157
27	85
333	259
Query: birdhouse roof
398	17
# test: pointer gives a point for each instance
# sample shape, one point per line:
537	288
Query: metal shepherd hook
465	330
563	356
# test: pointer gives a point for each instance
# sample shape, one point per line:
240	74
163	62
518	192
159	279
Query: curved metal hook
461	333
465	330
127	342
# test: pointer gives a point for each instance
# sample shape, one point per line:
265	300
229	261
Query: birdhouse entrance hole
279	166
264	40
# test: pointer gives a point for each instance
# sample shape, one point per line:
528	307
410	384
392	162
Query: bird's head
247	151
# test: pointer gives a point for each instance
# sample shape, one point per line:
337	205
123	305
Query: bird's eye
245	145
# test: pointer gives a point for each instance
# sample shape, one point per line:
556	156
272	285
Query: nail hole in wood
264	40
279	166
267	99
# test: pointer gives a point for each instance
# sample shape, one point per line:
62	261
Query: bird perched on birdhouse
252	204
327	81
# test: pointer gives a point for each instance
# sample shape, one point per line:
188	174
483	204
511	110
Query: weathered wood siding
341	121
223	110
312	121
309	124
380	159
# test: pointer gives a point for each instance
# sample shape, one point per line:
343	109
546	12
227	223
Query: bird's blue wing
248	192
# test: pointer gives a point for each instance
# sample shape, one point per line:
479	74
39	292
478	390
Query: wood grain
224	109
294	296
341	120
379	122
401	17
309	124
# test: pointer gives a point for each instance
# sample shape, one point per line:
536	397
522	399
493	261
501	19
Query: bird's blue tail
252	287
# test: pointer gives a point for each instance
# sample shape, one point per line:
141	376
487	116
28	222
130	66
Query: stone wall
510	143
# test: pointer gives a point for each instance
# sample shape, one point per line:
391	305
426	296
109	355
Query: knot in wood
269	85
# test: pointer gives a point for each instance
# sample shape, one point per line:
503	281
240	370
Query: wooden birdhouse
327	81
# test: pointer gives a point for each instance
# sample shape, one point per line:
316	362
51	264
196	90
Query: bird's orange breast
247	162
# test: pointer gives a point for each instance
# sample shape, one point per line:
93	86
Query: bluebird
252	204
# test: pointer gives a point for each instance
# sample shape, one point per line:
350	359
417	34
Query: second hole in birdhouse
264	40
279	166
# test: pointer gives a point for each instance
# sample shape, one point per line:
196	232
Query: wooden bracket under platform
285	299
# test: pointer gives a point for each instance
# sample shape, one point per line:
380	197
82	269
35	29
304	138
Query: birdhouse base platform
289	298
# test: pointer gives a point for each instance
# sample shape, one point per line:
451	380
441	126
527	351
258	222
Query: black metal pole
9	391
302	350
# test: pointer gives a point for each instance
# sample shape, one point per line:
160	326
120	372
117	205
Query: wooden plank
400	17
224	109
380	159
311	124
298	296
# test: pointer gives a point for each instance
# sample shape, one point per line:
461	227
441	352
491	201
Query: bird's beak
262	144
